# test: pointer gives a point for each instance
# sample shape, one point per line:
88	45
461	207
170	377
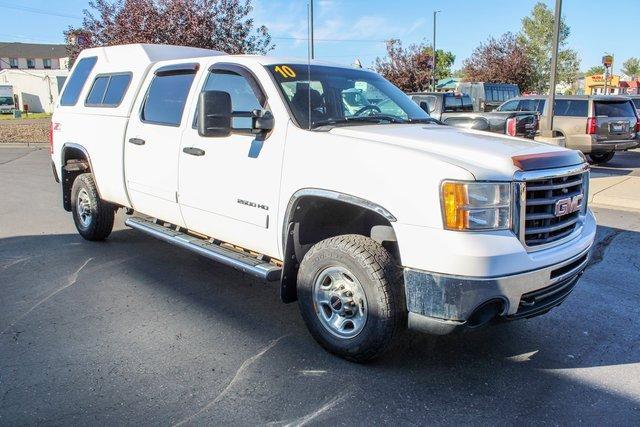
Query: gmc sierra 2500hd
373	220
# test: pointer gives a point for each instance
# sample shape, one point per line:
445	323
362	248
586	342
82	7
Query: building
37	73
630	87
594	85
32	56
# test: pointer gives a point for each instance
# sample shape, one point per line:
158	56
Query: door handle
193	151
137	141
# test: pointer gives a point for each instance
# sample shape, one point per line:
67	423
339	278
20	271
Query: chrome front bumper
440	304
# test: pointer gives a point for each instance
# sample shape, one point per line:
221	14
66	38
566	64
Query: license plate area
618	127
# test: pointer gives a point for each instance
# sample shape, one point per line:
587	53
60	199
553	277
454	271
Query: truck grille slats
542	225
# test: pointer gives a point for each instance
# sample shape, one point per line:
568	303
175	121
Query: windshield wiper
425	120
378	118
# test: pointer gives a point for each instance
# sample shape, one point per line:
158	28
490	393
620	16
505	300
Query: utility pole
433	70
554	67
311	50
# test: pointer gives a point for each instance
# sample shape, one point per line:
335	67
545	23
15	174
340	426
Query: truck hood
487	156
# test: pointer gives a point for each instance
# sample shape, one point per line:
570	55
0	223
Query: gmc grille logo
568	205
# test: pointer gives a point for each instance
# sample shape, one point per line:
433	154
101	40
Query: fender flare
66	186
290	261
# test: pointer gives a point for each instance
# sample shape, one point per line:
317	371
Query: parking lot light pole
548	131
433	70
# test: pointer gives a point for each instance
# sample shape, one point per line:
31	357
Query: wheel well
75	161
313	219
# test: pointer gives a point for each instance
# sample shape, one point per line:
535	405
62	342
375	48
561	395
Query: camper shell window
108	90
77	80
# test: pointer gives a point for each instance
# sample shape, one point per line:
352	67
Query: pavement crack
599	249
19	157
238	376
306	419
72	279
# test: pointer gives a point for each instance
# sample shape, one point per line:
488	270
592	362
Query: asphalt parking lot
133	331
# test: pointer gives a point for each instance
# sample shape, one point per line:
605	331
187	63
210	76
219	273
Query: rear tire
93	217
601	158
351	296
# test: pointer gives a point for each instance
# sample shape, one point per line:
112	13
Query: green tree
596	69
444	61
631	68
537	37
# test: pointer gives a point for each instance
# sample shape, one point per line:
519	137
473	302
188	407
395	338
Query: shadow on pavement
133	330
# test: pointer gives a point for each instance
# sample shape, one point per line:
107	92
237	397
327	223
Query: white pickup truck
373	220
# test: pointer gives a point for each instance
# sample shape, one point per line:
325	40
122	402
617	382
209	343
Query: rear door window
613	109
166	98
77	80
571	107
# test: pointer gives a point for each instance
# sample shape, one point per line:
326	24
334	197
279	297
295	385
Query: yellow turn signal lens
455	197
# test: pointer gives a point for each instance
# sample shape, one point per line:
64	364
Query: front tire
93	217
601	158
351	296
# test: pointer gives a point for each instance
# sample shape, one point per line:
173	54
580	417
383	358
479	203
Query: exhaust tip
485	313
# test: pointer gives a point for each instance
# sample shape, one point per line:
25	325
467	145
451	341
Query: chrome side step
237	260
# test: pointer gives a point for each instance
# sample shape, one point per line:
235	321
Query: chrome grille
540	225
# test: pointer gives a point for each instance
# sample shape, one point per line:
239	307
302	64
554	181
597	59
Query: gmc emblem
568	205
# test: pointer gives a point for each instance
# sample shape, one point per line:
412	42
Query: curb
24	145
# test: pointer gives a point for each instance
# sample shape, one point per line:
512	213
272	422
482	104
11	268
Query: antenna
309	56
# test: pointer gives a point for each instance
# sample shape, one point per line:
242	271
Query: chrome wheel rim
340	302
83	207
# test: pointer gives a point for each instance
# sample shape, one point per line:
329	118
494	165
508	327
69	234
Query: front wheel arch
313	216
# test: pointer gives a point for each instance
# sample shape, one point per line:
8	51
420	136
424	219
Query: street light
554	66
433	70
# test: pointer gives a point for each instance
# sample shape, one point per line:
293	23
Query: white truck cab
373	220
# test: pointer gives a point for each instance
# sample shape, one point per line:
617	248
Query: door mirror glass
262	121
214	113
424	106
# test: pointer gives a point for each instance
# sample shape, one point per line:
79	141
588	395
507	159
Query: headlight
476	205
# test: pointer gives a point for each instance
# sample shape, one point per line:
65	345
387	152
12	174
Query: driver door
229	186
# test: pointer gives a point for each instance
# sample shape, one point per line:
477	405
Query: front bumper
440	304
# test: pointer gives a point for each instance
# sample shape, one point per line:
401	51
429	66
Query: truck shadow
565	366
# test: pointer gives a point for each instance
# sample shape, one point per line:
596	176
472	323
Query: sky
350	29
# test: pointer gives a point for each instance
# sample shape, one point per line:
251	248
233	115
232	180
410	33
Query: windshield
6	100
343	96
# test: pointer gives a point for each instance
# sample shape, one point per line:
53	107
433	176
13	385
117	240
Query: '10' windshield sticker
285	71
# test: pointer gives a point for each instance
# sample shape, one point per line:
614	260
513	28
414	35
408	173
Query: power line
331	40
39	11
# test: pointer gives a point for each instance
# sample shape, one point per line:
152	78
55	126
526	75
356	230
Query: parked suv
596	125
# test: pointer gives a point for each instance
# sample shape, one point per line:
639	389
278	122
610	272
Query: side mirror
262	121
425	106
214	114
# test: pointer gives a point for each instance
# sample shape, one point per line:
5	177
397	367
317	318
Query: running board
237	260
